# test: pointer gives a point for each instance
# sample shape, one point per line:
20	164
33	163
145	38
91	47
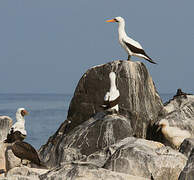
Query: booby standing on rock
173	134
17	131
24	150
132	47
111	98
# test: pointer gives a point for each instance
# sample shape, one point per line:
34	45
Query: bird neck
121	29
20	118
112	85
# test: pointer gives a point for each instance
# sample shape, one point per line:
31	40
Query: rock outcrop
147	158
98	132
188	171
5	125
139	100
83	171
139	105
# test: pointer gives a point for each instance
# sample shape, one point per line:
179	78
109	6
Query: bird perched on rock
17	131
132	47
111	98
173	134
24	150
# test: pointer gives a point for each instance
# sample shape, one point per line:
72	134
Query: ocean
46	113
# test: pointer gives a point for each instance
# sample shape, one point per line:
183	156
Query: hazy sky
47	45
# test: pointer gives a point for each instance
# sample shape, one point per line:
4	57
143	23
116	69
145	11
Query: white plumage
20	121
132	47
113	92
173	134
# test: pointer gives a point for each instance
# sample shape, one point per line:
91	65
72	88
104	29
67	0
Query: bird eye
116	20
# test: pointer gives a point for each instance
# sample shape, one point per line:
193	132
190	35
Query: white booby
173	134
132	47
17	131
24	150
111	98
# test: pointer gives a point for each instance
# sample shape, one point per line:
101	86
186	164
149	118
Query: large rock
98	132
80	171
145	158
139	100
188	171
25	173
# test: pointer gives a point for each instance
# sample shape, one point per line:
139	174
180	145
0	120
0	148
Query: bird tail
150	60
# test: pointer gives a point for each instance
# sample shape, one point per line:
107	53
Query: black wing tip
151	61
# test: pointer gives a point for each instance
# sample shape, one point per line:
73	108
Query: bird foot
129	58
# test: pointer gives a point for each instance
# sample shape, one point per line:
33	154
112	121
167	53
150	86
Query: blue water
46	113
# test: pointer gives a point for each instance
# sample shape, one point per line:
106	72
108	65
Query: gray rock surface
25	172
139	100
99	158
187	146
98	132
84	171
5	125
188	171
145	158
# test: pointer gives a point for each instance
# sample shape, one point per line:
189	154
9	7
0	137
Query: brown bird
24	150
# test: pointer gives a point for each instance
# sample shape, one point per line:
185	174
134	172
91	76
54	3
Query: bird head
163	123
22	112
116	19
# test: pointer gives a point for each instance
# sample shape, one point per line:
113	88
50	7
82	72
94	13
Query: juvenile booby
17	131
111	98
24	150
132	47
173	134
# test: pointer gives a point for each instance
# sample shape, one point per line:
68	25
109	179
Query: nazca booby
132	47
173	134
111	98
17	131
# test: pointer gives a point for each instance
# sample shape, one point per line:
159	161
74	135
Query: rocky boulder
188	171
139	100
98	132
5	125
146	159
83	171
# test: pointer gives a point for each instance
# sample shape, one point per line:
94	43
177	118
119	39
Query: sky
47	45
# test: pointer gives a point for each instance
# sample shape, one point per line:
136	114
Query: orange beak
111	20
24	112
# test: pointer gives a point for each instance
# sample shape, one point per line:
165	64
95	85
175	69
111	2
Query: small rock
187	146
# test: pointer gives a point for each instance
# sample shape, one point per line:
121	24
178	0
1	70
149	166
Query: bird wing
137	49
176	132
24	150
